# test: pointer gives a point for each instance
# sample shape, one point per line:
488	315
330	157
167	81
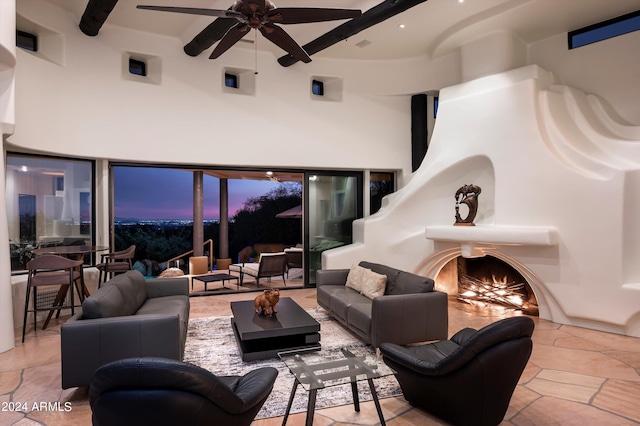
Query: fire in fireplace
489	280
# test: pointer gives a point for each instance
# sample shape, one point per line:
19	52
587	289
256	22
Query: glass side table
315	370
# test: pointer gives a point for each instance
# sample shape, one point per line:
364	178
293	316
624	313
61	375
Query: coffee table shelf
262	336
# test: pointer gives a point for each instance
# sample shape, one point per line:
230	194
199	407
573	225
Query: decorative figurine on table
266	302
467	194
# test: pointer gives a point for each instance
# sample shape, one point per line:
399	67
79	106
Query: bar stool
52	270
115	263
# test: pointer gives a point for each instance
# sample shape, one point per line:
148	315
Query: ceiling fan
263	16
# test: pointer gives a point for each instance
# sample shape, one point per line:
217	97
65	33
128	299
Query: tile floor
575	376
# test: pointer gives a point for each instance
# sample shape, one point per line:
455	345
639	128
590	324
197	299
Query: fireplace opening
488	281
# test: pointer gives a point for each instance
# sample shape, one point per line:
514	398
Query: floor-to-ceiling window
153	209
49	201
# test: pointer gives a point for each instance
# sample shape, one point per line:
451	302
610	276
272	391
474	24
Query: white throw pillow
356	277
373	284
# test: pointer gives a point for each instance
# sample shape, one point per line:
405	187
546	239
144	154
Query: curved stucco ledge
494	234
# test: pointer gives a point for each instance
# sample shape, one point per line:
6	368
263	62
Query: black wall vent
137	67
27	41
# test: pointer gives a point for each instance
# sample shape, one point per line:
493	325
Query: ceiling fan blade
303	15
230	38
194	11
207	37
280	38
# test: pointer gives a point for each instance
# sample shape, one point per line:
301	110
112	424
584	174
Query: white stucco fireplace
560	201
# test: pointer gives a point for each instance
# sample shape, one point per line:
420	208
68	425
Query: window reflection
49	202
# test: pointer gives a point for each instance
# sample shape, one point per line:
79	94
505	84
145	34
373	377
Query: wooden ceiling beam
95	15
371	17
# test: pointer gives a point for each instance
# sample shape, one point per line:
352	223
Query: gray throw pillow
408	283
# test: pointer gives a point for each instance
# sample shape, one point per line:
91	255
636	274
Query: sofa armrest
87	344
331	277
159	287
409	318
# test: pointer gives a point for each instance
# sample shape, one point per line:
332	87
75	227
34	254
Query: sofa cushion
168	305
373	284
133	289
407	283
356	278
341	301
327	292
391	273
359	317
105	302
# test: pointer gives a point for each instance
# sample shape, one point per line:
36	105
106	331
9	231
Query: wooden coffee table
262	336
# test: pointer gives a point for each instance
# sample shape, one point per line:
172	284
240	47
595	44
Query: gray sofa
409	311
128	317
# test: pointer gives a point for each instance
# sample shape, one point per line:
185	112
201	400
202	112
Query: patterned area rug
212	345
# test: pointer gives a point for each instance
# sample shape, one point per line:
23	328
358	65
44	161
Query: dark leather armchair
159	391
469	379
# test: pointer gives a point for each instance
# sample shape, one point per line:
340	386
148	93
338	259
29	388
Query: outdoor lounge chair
270	265
294	258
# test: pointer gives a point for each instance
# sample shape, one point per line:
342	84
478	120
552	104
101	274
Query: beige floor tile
581	362
9	418
561	390
548	336
530	371
609	340
9	381
620	397
632	359
549	411
571	378
40	384
578	343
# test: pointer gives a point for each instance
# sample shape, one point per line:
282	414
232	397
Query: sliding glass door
332	202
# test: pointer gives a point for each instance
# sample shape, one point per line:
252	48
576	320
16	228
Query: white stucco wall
7	121
609	69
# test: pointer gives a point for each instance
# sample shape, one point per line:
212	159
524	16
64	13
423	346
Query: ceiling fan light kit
260	15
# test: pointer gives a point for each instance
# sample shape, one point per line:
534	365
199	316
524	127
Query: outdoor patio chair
294	258
270	265
198	265
115	263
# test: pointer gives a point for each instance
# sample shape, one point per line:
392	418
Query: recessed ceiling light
460	1
401	26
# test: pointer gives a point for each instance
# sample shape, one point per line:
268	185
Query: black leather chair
159	391
469	379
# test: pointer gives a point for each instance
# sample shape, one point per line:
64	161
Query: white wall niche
246	81
50	43
332	89
154	68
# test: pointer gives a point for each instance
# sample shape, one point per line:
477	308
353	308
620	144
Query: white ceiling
431	28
